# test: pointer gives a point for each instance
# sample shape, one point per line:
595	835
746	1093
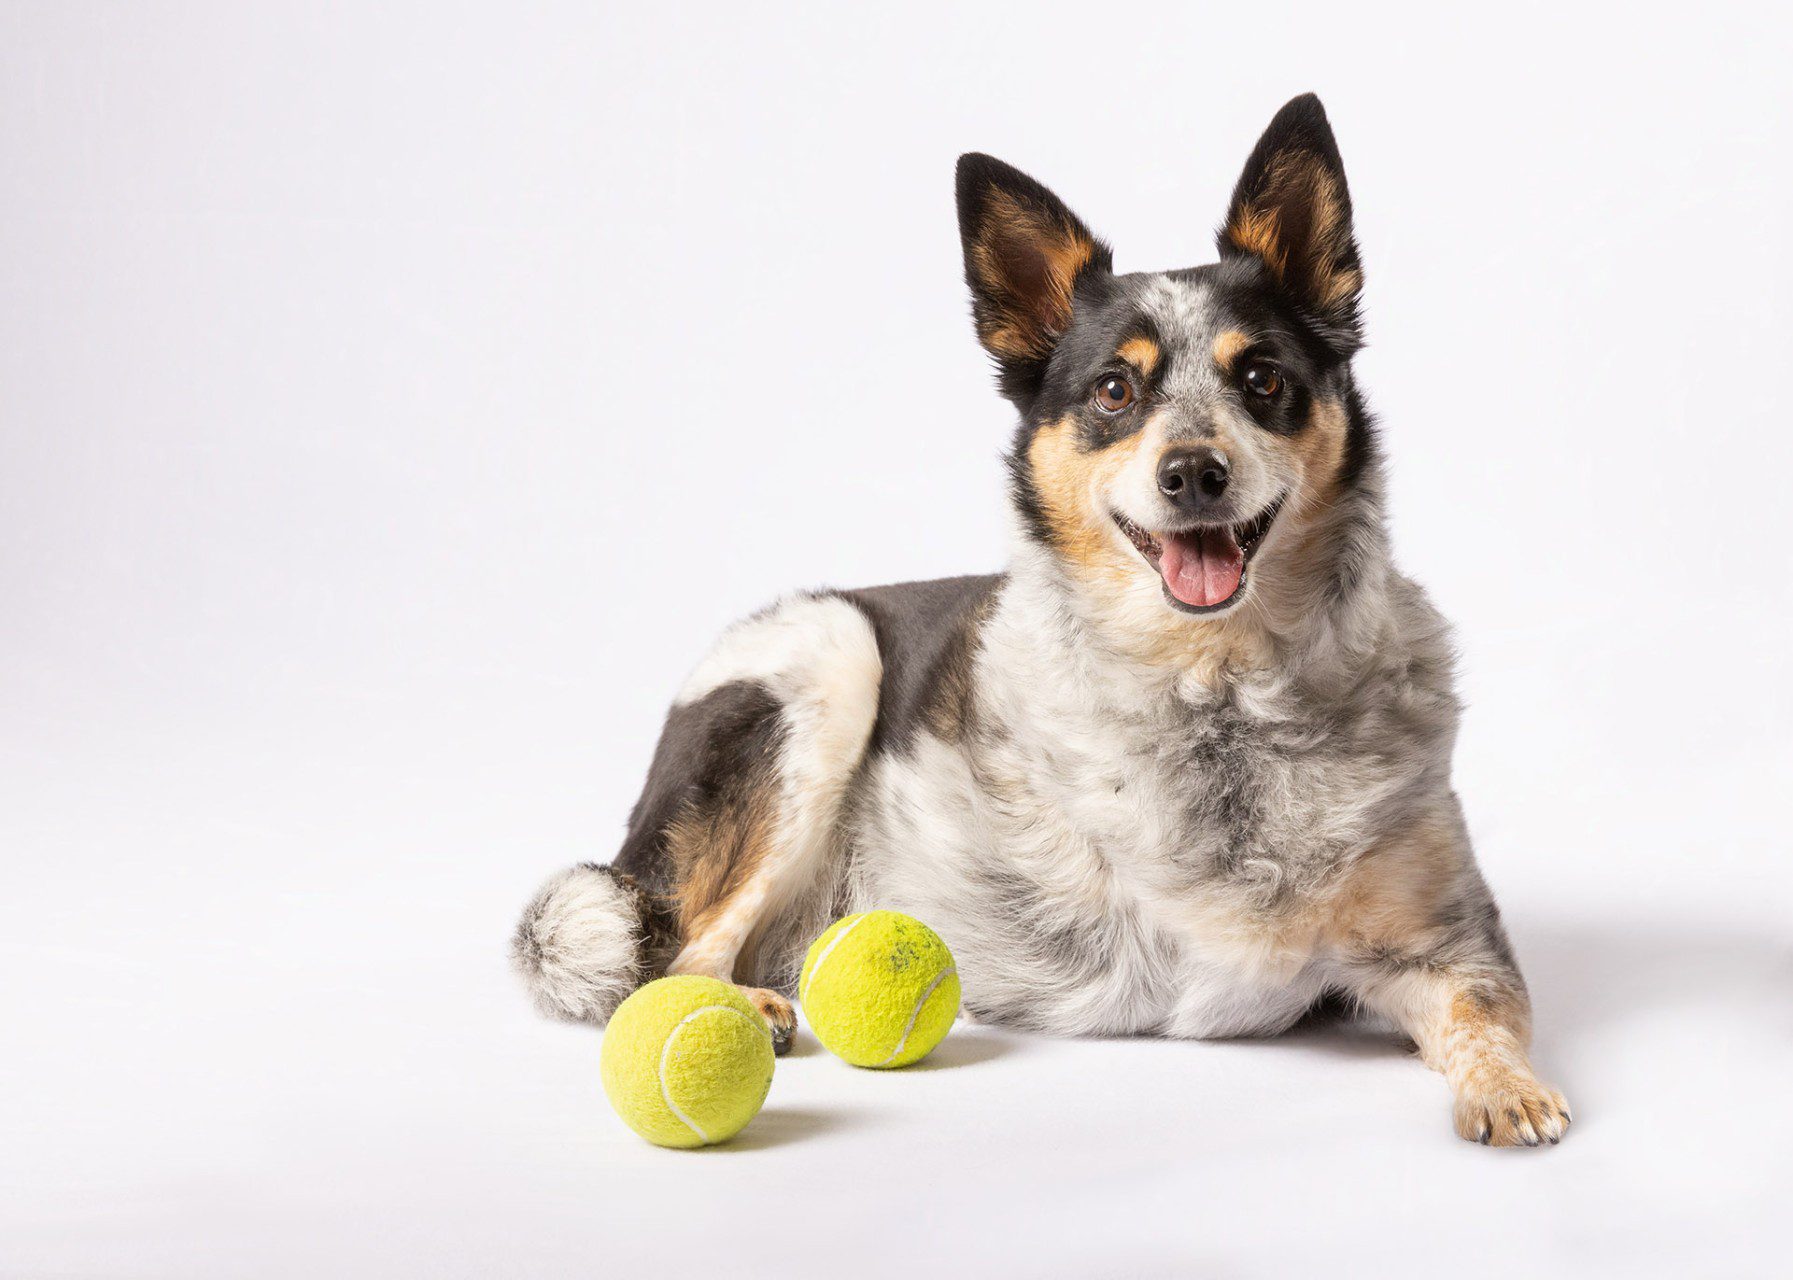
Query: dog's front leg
1423	945
1473	1025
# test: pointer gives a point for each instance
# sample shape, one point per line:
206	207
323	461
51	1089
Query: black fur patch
710	753
927	639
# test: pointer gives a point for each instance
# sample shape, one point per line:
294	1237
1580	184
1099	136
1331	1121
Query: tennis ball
686	1061
879	989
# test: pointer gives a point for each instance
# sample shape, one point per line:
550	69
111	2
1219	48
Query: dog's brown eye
1262	378
1113	394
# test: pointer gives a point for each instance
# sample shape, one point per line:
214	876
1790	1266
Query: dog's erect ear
1024	254
1292	210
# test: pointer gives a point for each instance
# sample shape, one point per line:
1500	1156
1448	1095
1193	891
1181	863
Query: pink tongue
1201	568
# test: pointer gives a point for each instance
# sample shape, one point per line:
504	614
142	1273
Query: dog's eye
1113	394
1262	378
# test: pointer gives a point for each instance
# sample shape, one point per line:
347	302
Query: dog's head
1178	429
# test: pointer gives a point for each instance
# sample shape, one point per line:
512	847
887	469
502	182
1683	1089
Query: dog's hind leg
738	828
748	854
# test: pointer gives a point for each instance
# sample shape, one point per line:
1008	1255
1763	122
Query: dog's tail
585	942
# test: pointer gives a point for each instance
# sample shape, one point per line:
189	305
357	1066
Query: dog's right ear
1024	254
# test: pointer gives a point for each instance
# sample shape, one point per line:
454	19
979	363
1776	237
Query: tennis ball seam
666	1056
828	950
915	1013
852	996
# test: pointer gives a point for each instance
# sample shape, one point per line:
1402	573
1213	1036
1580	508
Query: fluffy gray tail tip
579	945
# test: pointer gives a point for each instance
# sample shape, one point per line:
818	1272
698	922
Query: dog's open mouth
1204	567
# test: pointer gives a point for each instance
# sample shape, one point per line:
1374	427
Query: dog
1182	770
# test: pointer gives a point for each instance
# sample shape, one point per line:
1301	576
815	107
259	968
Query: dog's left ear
1292	211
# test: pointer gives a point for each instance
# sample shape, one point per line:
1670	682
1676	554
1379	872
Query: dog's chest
1220	801
1223	833
1080	862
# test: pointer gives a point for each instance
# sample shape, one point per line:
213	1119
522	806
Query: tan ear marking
1254	231
1297	224
1032	263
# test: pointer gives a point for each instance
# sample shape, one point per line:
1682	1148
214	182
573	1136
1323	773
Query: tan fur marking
1320	453
715	856
1392	900
721	895
1254	230
1287	577
1142	353
1228	347
1298	181
1469	1018
1067	478
1034	263
1117	583
1479	1045
773	1007
718	936
1340	286
1469	1022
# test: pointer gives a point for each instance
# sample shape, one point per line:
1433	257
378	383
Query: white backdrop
393	405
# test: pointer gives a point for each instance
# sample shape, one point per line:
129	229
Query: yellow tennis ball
879	989
687	1061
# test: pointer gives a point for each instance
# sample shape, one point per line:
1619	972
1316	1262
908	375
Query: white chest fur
1109	865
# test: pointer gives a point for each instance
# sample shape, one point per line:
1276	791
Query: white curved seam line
915	1013
666	1053
814	969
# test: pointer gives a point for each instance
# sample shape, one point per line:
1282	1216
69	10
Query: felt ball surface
686	1061
879	989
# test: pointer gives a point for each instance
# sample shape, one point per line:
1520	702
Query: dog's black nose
1192	478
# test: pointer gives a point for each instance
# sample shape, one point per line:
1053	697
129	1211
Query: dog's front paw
1511	1110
